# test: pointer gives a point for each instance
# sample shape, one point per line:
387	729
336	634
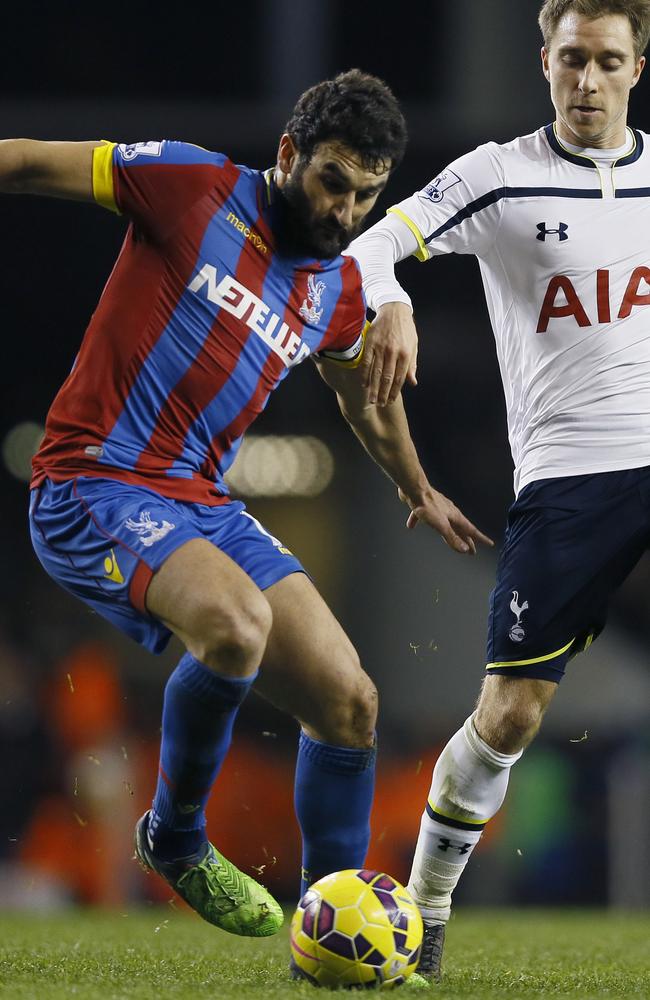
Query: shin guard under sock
468	787
199	711
333	797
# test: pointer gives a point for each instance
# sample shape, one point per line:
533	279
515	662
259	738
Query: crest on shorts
517	633
309	309
148	530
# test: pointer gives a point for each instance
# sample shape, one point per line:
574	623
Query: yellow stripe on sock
459	819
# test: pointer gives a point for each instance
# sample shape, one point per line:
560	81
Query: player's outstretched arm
58	169
384	433
390	353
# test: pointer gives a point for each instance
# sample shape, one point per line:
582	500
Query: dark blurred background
80	704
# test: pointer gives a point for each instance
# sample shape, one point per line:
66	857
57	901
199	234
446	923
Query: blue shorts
569	543
103	540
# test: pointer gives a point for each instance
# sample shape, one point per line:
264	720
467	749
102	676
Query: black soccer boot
430	962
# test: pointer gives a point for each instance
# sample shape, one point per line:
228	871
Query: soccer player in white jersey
559	222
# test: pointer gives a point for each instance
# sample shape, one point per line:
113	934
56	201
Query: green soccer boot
212	886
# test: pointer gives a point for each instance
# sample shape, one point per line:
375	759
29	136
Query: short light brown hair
636	11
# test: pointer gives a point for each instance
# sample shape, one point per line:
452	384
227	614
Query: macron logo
236	299
247	232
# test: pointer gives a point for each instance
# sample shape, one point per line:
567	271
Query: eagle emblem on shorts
517	633
148	530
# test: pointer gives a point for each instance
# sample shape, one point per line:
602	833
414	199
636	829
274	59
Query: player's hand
390	353
440	513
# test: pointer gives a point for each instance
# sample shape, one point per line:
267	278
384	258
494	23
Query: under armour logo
444	843
560	232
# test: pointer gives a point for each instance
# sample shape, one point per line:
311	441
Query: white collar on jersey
591	158
603	155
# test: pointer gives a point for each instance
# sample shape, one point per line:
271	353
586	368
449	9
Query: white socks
468	787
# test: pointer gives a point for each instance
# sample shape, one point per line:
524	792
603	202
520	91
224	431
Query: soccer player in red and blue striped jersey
227	279
199	322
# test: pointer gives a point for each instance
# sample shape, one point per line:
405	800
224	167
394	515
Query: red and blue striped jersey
199	321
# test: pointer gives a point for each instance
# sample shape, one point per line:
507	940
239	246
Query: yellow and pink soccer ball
356	928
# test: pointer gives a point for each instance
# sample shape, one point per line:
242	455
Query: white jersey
563	243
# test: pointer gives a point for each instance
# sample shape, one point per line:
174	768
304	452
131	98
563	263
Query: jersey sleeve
376	252
347	335
350	356
459	210
153	183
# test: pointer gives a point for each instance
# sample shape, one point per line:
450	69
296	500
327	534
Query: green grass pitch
153	954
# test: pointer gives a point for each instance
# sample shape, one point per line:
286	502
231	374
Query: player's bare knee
352	715
235	644
510	711
364	711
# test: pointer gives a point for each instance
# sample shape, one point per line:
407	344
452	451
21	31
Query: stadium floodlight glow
275	465
19	447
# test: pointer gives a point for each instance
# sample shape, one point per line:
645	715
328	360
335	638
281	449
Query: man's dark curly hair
357	109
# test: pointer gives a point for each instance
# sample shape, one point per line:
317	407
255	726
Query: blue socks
333	798
333	788
198	715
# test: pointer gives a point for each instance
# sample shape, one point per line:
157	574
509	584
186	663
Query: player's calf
468	787
510	711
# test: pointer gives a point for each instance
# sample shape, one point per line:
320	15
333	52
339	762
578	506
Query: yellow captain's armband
421	252
339	358
103	191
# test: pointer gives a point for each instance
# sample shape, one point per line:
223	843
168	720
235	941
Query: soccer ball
356	928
